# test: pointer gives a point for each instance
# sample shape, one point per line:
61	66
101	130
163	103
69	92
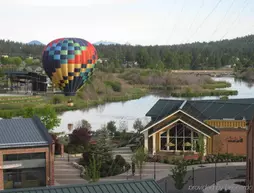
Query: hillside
105	43
35	42
238	52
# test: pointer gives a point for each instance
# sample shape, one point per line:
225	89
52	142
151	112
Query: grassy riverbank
246	74
178	85
114	87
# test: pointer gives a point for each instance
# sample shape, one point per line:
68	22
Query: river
127	112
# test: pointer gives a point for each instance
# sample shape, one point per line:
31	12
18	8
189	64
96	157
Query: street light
70	127
215	173
227	150
154	165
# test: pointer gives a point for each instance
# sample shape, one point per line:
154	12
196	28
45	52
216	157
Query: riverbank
177	84
246	74
13	109
115	87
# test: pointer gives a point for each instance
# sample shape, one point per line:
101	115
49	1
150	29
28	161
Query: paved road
203	177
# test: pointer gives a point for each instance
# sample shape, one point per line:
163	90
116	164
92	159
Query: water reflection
129	111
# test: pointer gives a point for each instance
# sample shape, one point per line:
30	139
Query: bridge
213	73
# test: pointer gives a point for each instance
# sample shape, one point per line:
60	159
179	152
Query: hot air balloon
69	63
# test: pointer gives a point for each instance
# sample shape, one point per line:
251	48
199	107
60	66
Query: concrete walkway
66	173
163	170
203	178
225	184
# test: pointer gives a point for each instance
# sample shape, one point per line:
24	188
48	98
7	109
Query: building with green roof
142	186
176	126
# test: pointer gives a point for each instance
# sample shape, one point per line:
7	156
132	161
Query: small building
138	186
26	154
176	126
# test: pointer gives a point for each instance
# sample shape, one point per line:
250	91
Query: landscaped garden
212	158
96	148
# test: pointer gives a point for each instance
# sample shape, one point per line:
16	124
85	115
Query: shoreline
61	108
128	92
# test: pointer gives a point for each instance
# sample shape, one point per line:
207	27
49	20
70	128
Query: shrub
178	174
127	166
116	86
166	161
119	160
109	166
106	169
74	149
224	98
57	100
225	158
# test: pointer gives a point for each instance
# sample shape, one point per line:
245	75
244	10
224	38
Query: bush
109	166
225	158
127	166
57	100
119	160
74	149
116	86
165	161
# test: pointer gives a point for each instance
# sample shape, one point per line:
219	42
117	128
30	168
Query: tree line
238	52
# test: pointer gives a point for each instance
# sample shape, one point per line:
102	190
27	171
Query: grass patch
216	84
189	93
14	109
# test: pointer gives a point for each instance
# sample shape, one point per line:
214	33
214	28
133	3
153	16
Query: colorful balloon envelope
69	63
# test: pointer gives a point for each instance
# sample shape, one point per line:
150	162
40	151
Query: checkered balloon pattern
69	63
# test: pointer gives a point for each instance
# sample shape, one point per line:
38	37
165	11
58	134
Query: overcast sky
145	22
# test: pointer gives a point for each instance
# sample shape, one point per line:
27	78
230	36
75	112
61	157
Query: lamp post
227	153
193	176
154	165
227	150
215	173
70	127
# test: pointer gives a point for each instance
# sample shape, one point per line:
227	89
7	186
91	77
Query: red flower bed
191	157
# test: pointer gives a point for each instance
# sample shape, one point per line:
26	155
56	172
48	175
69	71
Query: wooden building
176	126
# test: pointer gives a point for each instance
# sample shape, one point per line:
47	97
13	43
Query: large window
24	178
24	156
163	141
179	138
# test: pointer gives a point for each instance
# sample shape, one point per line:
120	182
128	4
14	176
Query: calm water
127	112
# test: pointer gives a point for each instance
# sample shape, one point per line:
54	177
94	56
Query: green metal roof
205	109
142	186
23	132
202	127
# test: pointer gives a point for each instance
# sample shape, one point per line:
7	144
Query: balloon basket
70	103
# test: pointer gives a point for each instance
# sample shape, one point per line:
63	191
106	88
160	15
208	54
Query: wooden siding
226	123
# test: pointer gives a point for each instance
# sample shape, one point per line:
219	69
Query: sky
138	22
